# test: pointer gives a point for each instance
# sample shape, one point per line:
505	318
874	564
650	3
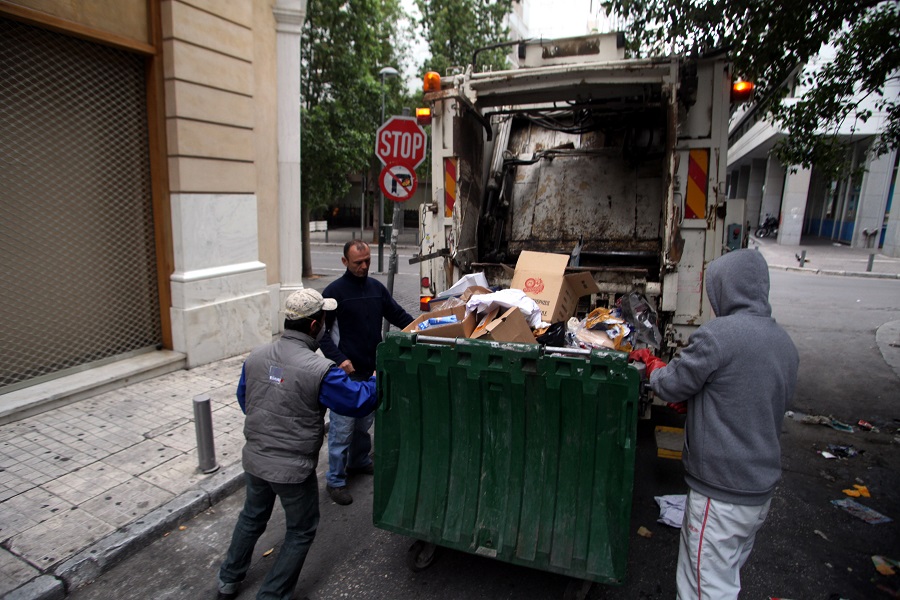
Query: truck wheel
420	556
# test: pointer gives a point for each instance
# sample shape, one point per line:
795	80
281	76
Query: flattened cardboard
541	275
461	329
510	326
483	322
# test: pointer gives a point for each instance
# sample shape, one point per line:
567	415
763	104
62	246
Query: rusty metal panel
469	148
611	202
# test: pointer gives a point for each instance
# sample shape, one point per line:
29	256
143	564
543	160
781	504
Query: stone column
289	18
876	185
793	207
755	186
743	182
772	189
892	235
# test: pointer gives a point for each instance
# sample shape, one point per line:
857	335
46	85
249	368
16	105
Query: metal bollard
206	450
803	258
871	262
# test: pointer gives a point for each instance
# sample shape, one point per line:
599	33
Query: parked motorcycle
769	228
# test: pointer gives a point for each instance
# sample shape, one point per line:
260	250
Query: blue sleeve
242	389
348	397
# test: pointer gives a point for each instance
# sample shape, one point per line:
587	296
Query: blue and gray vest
284	426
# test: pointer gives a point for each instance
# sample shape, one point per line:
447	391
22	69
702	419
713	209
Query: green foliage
768	40
345	44
456	28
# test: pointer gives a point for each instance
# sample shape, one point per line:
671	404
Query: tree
456	28
345	43
768	40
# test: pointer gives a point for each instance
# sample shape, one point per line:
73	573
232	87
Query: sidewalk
84	485
407	237
827	258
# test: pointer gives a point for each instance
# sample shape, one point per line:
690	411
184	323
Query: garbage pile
539	308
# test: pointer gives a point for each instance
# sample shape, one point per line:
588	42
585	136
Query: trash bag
554	336
638	313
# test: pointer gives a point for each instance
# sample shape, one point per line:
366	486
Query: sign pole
400	144
395	233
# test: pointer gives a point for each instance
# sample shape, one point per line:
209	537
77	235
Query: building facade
855	210
150	187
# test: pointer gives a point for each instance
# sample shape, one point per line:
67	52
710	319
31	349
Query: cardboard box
510	326
542	276
462	329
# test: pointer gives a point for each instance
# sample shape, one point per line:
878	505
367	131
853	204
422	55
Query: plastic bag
586	338
638	313
610	322
448	303
554	336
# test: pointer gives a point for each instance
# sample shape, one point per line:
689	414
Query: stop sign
401	141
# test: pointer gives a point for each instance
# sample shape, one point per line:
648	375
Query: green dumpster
508	451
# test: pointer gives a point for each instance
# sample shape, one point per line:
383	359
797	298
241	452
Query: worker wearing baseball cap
285	389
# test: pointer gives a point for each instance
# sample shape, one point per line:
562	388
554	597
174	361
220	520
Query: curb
103	555
836	273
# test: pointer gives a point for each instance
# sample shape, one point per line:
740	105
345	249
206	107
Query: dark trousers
301	514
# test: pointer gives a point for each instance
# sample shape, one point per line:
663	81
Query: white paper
464	283
671	509
482	303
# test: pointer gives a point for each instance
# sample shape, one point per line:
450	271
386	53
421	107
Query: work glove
645	356
679	407
652	363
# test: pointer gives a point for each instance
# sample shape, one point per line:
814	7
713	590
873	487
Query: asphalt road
808	548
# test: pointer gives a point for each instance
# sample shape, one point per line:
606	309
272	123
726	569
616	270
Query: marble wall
221	304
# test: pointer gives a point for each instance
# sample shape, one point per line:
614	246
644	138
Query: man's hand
645	356
347	367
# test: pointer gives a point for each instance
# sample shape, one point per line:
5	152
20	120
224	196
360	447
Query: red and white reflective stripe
700	545
449	186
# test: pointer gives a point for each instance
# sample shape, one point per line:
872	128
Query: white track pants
716	540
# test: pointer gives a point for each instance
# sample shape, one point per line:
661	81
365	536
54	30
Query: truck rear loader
515	451
619	163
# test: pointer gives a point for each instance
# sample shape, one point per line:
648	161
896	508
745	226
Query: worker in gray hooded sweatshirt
735	378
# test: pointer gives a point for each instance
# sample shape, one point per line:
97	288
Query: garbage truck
520	452
618	163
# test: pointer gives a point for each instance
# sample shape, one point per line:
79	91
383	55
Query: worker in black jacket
353	332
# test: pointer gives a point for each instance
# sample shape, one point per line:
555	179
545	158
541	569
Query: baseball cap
305	303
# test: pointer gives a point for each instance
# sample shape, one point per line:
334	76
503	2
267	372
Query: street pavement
85	485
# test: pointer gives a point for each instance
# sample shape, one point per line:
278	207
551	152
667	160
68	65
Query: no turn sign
398	182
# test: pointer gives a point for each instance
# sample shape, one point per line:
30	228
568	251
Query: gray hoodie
737	375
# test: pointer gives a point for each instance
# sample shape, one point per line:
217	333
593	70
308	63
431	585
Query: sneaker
339	495
224	596
369	469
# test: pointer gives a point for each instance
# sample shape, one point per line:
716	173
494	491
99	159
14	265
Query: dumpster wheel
420	556
578	589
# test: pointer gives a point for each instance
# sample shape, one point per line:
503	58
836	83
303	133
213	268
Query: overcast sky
560	18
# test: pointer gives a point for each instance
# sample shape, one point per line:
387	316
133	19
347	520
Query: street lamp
384	72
